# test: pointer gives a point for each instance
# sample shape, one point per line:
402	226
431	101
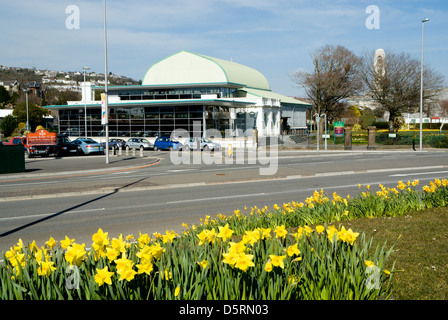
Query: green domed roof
186	68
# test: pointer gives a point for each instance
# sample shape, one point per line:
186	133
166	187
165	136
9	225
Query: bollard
127	150
120	151
141	152
133	151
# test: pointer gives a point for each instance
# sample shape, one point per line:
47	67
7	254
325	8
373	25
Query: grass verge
420	240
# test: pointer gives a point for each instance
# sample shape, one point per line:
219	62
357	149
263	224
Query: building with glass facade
186	91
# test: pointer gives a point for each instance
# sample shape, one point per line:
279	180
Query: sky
275	37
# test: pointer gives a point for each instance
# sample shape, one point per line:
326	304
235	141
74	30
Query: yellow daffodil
100	238
280	231
32	246
145	267
225	232
66	242
51	243
103	276
293	250
244	261
230	257
368	263
156	251
320	229
203	264
45	268
75	254
118	244
268	266
177	291
143	239
277	260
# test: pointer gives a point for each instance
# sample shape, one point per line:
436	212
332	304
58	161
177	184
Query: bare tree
444	107
394	83
335	77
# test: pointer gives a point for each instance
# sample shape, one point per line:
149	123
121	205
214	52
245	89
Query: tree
8	125
335	77
394	83
367	118
35	113
444	107
4	96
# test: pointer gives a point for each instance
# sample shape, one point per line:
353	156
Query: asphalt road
76	196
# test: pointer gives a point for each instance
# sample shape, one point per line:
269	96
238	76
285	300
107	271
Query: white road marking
49	214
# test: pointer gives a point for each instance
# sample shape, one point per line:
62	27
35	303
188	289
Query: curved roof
191	68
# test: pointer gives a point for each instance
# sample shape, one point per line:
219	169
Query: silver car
202	143
139	143
89	146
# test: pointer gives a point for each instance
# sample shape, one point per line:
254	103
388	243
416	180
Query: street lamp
318	117
421	90
106	125
85	104
27	126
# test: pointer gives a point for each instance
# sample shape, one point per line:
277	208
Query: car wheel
27	154
187	148
206	148
141	148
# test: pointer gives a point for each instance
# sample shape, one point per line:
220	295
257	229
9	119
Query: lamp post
318	117
85	104
27	126
421	90
106	125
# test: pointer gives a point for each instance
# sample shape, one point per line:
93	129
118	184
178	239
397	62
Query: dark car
65	147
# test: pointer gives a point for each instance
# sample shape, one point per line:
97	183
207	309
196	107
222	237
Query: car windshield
89	141
63	140
174	140
145	141
207	140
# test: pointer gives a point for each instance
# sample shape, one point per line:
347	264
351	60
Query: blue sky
276	37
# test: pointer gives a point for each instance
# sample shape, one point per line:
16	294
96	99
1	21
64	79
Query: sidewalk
36	167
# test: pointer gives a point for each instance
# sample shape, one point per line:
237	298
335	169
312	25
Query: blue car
165	143
89	146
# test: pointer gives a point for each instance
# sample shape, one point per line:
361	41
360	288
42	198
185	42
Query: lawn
421	243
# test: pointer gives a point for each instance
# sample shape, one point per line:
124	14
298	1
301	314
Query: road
152	194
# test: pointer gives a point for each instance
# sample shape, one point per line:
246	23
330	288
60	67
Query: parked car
65	147
139	143
73	132
165	143
115	144
89	146
202	144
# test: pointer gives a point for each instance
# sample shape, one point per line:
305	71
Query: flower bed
256	253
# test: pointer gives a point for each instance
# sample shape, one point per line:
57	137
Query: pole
317	131
85	103
27	116
105	87
325	131
421	90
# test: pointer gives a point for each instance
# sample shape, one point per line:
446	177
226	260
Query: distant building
182	91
